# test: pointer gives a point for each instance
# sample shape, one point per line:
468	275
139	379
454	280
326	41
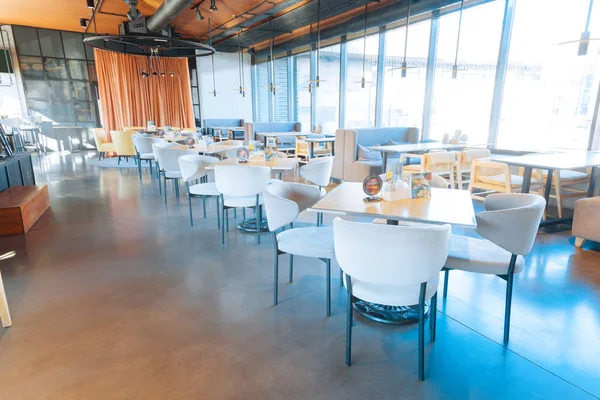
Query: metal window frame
270	79
254	83
290	85
430	73
501	70
343	81
380	77
313	92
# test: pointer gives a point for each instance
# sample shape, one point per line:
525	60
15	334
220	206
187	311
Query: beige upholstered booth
348	165
586	221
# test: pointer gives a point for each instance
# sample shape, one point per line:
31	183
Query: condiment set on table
396	187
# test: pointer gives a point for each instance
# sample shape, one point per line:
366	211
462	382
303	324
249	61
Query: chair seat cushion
392	295
204	189
309	242
516	180
479	255
173	174
249	201
147	156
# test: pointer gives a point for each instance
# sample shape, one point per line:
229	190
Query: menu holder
372	186
243	155
421	185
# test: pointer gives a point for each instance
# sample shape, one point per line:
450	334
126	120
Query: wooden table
283	164
417	148
551	162
214	148
232	129
446	206
312	140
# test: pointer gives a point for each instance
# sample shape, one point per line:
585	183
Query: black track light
213	5
144	74
83	22
91	3
199	16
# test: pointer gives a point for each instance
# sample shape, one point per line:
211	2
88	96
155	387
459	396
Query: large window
550	92
302	95
262	92
328	92
404	97
465	103
281	109
360	102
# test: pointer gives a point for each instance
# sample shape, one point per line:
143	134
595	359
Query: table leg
265	140
592	184
548	188
383	162
526	180
332	148
311	150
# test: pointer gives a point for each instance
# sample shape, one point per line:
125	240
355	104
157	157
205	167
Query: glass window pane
465	103
281	109
360	101
197	113
262	92
60	90
55	68
63	112
550	92
35	89
404	97
78	69
83	111
26	40
38	107
51	43
73	43
81	91
328	92
193	77
195	98
31	67
302	95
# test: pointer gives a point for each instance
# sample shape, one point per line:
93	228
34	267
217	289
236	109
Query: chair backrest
168	157
241	180
318	171
99	136
284	201
438	182
466	157
439	161
511	220
123	142
393	255
144	144
193	166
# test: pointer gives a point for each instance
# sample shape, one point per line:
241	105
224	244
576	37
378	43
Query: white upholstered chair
400	268
508	227
193	167
241	186
318	172
143	147
168	160
284	201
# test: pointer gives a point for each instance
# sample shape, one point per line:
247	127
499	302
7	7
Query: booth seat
253	130
207	123
348	167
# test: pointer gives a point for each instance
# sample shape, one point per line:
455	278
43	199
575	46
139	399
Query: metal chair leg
328	277
258	218
446	276
244	214
99	156
118	160
222	219
341	278
204	205
509	290
165	184
422	331
139	165
276	277
218	213
348	321
291	268
433	317
235	213
190	203
150	163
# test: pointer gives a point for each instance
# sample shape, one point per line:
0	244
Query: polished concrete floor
114	296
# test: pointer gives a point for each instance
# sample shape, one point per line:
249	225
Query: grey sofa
347	167
207	123
253	130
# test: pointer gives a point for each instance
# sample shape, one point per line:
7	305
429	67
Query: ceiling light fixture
91	3
317	80
241	58
585	39
212	56
403	72
83	22
213	5
199	16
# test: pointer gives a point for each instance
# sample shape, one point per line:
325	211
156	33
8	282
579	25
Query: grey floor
114	296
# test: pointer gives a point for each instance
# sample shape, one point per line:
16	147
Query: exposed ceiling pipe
166	13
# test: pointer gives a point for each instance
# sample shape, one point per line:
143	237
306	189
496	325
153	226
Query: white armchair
193	167
318	171
509	223
381	276
284	201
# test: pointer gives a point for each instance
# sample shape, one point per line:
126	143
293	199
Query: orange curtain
129	100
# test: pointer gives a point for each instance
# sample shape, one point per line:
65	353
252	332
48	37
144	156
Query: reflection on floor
114	296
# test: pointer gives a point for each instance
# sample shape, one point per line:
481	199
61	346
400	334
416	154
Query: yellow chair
439	162
102	145
303	149
496	177
134	128
568	184
124	143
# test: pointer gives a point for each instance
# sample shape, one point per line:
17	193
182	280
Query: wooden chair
567	185
440	163
221	135
463	164
303	149
496	177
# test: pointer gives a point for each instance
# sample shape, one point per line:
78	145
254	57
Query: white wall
228	103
